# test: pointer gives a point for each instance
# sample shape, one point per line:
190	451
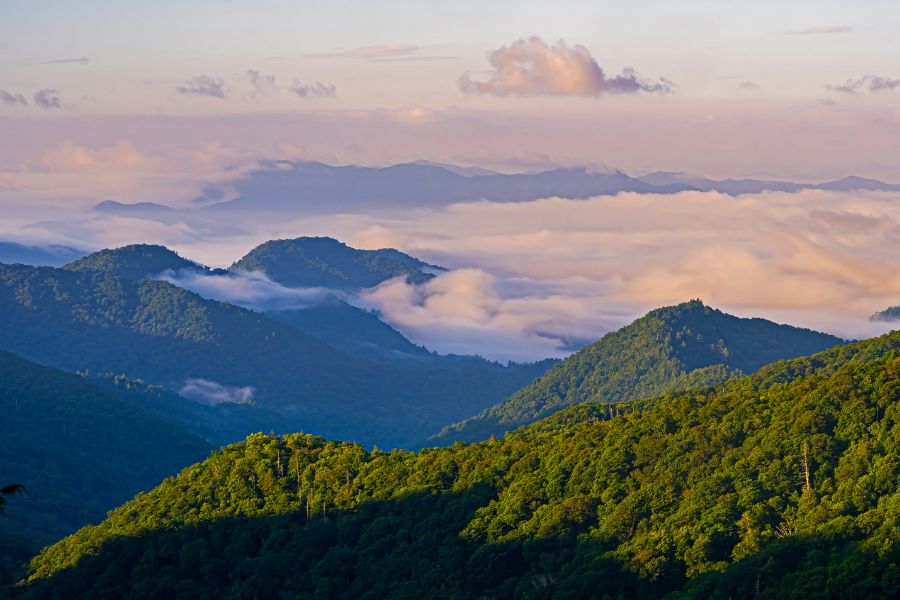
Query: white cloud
209	392
819	259
470	311
253	290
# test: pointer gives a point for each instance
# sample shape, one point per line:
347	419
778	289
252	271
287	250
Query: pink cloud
533	68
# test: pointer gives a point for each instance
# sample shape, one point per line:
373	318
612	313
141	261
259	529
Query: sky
157	101
752	88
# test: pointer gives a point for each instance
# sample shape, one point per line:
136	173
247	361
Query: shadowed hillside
79	448
782	484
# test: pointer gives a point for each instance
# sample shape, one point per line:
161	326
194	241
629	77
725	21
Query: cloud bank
211	393
547	273
531	67
819	259
470	311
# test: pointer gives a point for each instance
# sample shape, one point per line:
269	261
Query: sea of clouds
527	280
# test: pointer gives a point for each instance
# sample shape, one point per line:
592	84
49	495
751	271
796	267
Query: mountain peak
135	261
327	262
670	348
853	183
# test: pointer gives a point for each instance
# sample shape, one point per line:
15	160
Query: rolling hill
671	348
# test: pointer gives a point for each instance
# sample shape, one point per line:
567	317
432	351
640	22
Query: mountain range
102	314
112	380
54	255
316	186
311	187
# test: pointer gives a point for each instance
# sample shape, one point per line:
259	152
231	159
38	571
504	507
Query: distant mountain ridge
318	187
672	348
118	207
736	187
52	255
313	187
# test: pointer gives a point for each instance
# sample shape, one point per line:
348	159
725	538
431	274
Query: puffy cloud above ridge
531	67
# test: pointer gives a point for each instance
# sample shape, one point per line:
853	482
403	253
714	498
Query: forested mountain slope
90	319
79	449
778	485
333	321
353	330
671	348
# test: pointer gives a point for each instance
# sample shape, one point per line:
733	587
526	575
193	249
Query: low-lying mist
535	279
